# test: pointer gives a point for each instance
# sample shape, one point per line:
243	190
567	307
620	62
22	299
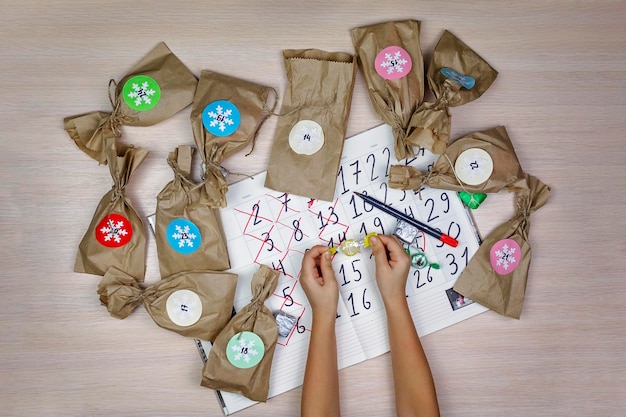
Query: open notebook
263	226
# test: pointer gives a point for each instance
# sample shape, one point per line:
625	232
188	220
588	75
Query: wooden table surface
561	93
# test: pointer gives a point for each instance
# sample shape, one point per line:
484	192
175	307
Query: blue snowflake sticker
221	118
183	236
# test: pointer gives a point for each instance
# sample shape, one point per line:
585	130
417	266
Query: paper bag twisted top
430	125
251	101
121	294
395	100
480	282
95	132
507	171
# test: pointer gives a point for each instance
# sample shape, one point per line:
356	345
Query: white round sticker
184	307
306	137
474	166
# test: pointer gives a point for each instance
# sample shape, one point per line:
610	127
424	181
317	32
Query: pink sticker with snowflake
393	62
114	231
505	256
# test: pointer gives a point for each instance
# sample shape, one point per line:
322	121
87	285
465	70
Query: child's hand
392	267
319	282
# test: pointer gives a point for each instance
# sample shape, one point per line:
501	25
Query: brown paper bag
155	89
192	303
481	162
391	61
116	235
226	115
496	275
241	357
188	232
456	75
310	133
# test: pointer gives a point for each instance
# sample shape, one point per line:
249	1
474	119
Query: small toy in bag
456	75
241	357
116	235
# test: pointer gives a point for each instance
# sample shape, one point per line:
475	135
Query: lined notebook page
263	226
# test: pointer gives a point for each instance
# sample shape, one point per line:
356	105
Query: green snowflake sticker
245	350
141	93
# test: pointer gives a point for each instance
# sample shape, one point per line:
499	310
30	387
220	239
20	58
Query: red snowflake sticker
114	231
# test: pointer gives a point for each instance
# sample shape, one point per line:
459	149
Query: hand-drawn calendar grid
263	226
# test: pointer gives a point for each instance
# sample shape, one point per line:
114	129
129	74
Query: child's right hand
392	267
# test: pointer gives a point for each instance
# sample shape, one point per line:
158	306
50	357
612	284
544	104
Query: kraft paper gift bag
456	75
155	89
188	231
241	357
496	275
192	303
226	115
390	58
311	128
481	162
116	235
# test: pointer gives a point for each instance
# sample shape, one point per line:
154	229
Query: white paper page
263	226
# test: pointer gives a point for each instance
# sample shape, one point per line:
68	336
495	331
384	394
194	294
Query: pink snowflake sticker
393	63
505	256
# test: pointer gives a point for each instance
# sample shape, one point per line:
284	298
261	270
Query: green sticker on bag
245	350
141	93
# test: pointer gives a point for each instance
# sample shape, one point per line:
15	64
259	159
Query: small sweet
351	247
285	323
419	259
472	200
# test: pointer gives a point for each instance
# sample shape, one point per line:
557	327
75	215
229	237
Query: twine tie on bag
116	119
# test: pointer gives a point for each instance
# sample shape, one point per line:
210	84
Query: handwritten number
297	232
255	213
432	209
453	263
372	177
268	240
288	298
343	181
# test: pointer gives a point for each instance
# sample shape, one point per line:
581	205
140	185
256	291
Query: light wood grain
560	93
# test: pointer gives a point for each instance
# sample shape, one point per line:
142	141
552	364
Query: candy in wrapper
158	87
285	323
194	303
456	75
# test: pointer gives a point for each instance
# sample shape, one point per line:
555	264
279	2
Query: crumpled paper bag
497	274
192	303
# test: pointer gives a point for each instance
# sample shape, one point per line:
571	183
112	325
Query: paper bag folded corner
222	371
390	58
171	89
312	125
116	235
497	274
457	75
170	301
